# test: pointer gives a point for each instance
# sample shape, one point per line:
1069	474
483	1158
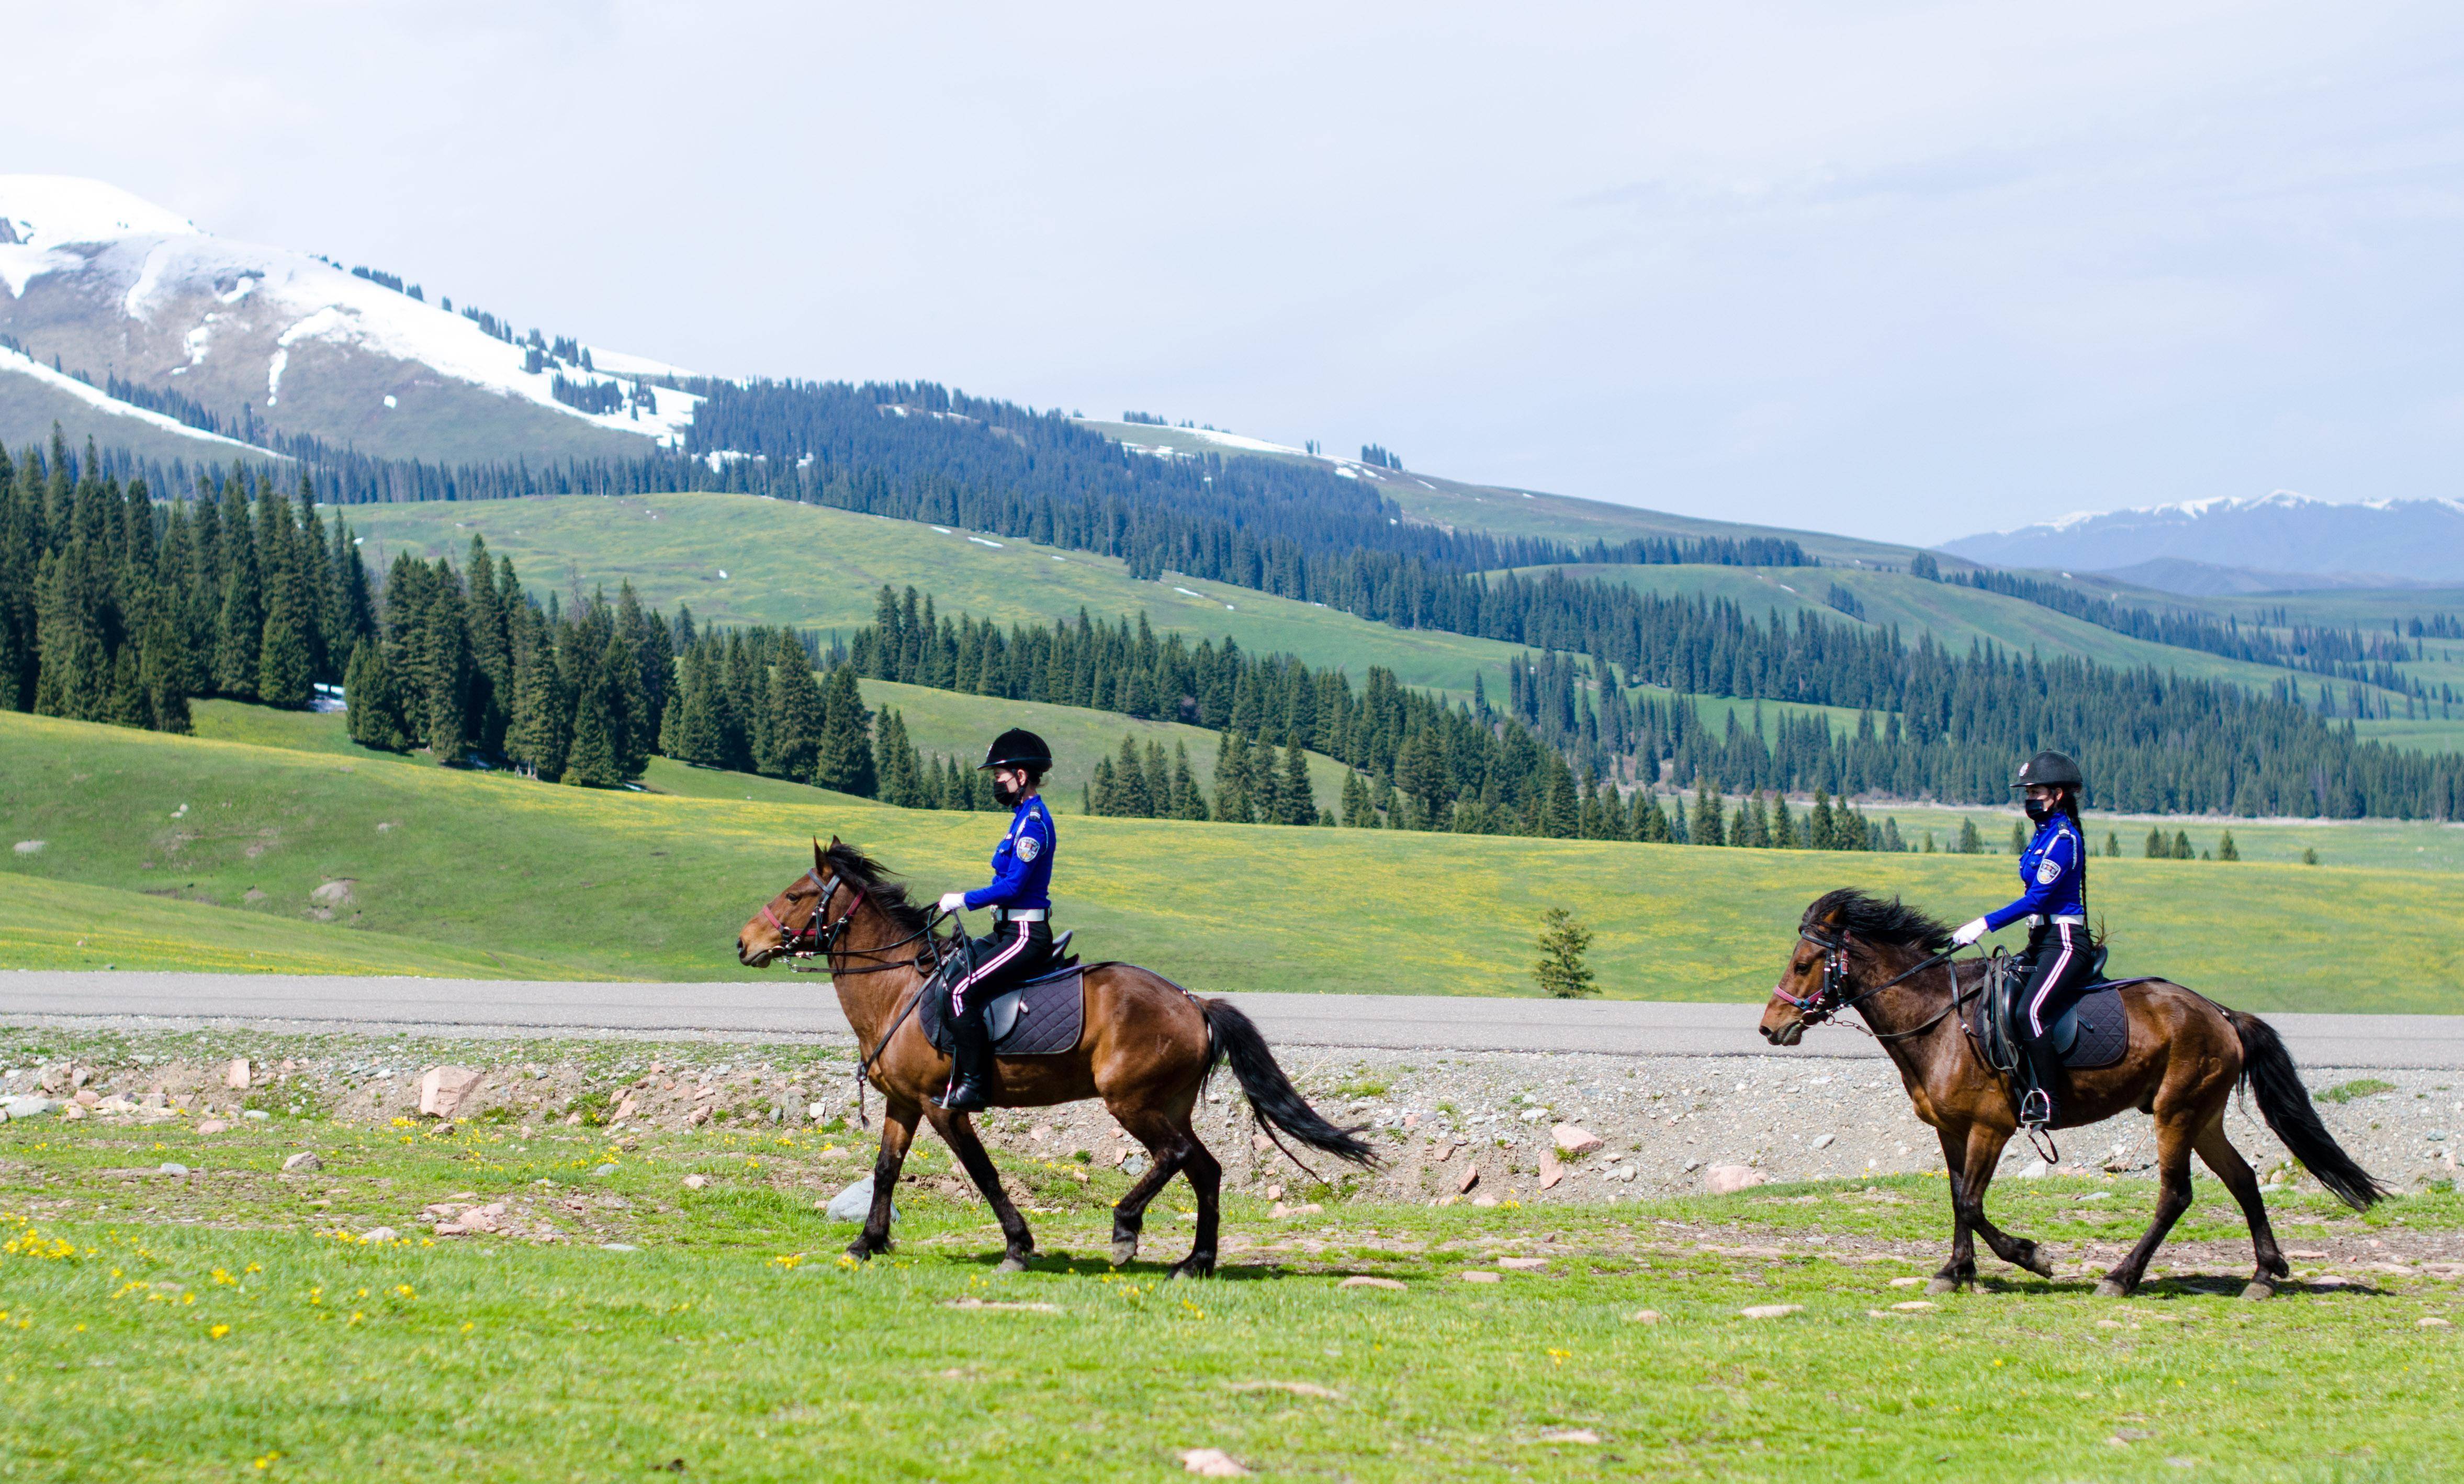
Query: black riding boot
970	1054
2043	1068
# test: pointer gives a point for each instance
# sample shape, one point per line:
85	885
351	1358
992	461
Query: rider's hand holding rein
1969	932
953	902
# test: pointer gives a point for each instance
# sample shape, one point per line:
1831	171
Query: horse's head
1811	987
795	921
1842	936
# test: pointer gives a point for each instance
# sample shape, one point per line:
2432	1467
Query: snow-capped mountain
96	282
2301	538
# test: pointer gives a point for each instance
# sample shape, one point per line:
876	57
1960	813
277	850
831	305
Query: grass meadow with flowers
173	1306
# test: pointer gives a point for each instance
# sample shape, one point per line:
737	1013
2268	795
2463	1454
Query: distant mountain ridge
2232	543
104	284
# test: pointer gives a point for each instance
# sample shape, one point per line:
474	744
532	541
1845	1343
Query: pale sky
1906	271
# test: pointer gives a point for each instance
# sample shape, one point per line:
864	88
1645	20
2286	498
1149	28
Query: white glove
1969	932
954	901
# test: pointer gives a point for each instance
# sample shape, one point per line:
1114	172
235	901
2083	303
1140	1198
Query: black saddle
1040	1016
2093	1030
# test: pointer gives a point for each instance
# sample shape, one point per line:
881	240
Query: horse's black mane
1871	917
878	882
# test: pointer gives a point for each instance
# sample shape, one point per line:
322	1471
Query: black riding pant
1012	951
2056	963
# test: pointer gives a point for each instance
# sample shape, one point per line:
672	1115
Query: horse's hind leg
2235	1172
897	1132
1166	1149
958	1132
2174	1136
1206	1178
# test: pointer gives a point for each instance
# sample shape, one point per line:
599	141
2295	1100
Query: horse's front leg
897	1131
1960	1272
1985	1146
959	1131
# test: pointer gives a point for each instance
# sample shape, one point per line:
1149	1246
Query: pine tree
1300	803
1132	797
1708	828
593	762
2112	845
1356	809
1187	802
2182	846
2157	846
1232	799
1783	827
2018	838
446	647
1971	842
2226	849
900	775
371	706
1561	971
798	714
285	663
844	759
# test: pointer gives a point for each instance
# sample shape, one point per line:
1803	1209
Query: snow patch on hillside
50	210
163	258
14	364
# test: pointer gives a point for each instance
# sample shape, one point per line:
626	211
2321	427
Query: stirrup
2036	1109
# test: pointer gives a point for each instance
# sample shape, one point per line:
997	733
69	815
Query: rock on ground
443	1090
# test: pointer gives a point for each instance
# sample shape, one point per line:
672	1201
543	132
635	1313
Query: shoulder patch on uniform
2048	872
1028	846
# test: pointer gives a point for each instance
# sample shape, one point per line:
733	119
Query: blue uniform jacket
1021	863
2053	870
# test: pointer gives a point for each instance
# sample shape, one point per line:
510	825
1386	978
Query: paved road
785	1006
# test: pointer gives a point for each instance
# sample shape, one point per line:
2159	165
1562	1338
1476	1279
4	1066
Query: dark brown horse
1146	1051
2186	1054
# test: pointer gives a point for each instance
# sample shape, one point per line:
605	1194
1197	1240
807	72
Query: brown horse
2186	1054
1146	1051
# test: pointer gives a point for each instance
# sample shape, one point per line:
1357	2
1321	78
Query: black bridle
1826	1001
821	937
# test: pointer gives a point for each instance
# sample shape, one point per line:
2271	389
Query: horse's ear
817	851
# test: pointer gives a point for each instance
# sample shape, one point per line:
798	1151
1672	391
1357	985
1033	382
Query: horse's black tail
1271	1094
2266	1072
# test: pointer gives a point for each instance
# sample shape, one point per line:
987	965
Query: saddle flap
1000	1016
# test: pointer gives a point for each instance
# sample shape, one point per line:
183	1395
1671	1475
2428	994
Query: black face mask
1004	795
2040	810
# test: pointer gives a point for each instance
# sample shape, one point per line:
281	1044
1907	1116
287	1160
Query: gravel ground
1479	1126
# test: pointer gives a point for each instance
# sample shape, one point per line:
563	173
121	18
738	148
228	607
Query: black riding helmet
1018	747
2053	769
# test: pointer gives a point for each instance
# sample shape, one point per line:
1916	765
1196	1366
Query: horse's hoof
860	1252
1123	1249
2113	1288
2258	1289
1943	1285
2036	1262
1015	1262
1194	1268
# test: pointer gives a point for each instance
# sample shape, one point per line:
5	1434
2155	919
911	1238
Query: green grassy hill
1511	511
802	565
937	721
656	886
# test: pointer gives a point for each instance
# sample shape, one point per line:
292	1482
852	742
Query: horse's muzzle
1785	1035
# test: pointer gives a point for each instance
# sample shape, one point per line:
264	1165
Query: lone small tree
1561	971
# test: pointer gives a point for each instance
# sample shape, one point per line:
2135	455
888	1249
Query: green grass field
655	886
801	564
226	1322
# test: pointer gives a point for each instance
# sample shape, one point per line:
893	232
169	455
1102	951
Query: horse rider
2058	957
1021	897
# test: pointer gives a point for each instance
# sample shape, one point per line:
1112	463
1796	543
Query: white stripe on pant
991	965
2050	977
